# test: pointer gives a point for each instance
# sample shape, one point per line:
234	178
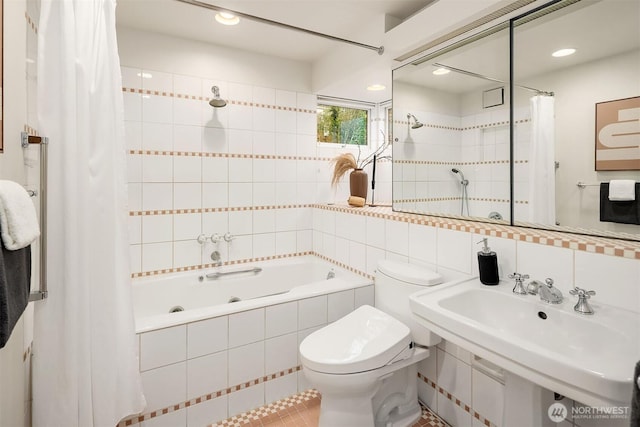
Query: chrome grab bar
218	274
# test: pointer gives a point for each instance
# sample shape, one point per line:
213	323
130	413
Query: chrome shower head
217	101
416	123
459	172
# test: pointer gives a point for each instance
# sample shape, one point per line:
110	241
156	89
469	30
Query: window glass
342	125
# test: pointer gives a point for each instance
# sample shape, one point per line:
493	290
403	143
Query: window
342	125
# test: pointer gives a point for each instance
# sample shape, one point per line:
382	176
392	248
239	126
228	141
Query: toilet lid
364	339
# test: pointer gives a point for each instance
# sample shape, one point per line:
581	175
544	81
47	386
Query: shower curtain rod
472	74
209	6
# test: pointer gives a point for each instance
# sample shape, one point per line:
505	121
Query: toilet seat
363	340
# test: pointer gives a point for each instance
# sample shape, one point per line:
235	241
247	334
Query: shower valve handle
228	237
215	238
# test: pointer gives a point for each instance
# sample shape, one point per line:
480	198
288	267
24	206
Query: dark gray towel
623	212
635	399
15	283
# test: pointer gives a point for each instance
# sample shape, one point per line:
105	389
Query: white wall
577	90
15	357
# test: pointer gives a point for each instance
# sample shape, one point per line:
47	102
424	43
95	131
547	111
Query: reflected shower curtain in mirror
542	180
85	362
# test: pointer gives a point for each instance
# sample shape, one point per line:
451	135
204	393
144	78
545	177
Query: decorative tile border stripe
459	128
579	242
136	419
448	199
211	265
457	401
209	210
30	22
446	163
292	402
225	155
207	99
343	265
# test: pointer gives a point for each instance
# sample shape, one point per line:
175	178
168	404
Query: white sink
587	358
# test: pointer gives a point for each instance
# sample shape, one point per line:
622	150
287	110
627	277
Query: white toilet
365	364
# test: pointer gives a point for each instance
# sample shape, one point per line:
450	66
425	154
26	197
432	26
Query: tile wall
477	144
252	169
207	371
450	381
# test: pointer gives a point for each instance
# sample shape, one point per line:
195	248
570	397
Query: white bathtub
201	298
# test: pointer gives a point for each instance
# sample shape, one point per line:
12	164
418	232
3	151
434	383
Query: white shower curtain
542	182
85	362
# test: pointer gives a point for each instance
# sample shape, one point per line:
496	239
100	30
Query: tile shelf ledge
579	242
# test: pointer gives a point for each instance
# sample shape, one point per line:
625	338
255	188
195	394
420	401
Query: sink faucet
546	291
519	278
582	306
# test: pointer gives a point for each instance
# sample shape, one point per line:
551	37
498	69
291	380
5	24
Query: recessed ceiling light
227	18
563	52
375	87
441	71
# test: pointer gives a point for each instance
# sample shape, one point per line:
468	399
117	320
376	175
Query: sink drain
176	309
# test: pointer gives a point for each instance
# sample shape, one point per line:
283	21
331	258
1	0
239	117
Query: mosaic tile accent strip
207	210
136	419
579	242
302	410
458	128
457	401
343	265
211	265
206	98
224	155
31	24
447	163
447	199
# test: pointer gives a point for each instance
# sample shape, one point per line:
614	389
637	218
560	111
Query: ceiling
348	19
585	26
398	25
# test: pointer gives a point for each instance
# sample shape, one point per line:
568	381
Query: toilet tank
394	282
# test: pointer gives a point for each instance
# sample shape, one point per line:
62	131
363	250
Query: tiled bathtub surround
209	370
252	168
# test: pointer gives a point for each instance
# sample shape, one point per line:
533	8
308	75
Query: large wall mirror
473	139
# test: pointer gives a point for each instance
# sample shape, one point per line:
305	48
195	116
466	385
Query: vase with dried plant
358	178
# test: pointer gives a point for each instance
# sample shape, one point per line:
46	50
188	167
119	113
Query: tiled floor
301	410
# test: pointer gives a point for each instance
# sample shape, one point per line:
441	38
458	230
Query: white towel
18	217
622	190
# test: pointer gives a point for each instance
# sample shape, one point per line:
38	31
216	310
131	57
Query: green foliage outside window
342	125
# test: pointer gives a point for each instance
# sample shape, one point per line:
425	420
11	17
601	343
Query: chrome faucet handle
582	306
215	238
549	282
228	236
202	239
519	278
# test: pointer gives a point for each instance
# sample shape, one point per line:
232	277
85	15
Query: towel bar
25	141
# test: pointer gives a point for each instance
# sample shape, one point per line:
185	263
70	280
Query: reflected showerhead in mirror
416	123
217	101
459	172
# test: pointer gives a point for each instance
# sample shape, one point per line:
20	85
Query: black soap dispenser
488	265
